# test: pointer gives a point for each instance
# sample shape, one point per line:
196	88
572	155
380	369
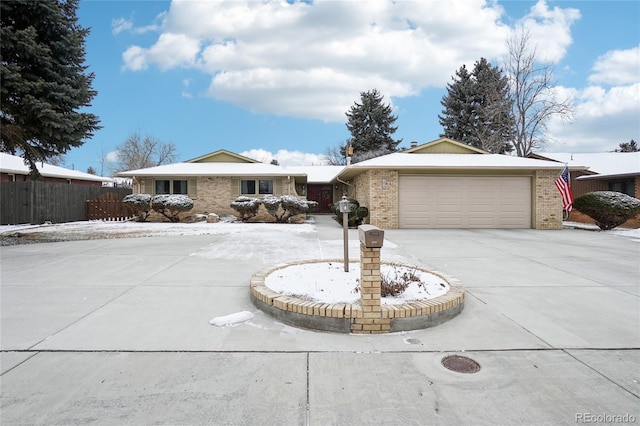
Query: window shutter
278	187
148	186
235	187
192	188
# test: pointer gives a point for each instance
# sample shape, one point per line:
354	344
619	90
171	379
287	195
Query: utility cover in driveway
465	202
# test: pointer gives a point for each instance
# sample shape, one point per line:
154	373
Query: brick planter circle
343	317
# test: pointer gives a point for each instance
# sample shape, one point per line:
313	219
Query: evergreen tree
630	146
477	109
44	82
457	116
371	126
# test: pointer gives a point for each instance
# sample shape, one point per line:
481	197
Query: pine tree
630	146
371	126
44	82
477	108
457	116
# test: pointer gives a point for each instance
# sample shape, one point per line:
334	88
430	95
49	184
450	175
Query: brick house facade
214	180
377	183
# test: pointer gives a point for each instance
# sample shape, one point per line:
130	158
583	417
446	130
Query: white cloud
286	158
604	118
112	156
550	29
119	25
617	67
312	60
606	114
170	51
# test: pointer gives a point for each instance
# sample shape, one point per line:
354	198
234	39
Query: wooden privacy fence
37	202
108	207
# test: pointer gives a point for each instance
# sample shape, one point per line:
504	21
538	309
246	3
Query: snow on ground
204	228
329	283
154	228
231	319
633	234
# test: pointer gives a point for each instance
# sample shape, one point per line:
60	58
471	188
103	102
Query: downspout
344	183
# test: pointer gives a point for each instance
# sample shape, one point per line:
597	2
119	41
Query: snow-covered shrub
246	207
285	207
272	205
171	205
356	215
609	209
140	204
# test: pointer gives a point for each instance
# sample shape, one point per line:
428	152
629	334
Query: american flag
562	183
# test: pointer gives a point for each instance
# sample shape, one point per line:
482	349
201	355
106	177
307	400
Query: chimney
414	144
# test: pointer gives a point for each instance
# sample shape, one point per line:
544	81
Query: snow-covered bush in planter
140	204
272	204
171	205
246	207
293	206
284	207
356	215
609	209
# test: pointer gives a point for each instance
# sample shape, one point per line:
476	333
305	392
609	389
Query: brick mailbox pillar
371	320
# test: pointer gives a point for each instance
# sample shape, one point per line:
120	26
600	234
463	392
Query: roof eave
354	170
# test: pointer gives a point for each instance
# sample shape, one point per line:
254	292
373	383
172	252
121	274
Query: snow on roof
15	165
603	163
454	161
318	174
213	169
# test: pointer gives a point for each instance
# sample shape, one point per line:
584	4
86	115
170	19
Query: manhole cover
460	364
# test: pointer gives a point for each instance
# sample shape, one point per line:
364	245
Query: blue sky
274	79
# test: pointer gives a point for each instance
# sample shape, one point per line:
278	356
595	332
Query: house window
166	186
248	187
163	187
265	186
180	187
624	186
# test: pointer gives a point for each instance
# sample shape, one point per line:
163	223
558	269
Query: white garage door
464	202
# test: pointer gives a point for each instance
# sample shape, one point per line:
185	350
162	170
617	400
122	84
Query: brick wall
381	199
547	203
361	190
213	195
384	209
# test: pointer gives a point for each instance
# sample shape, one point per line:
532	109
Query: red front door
323	195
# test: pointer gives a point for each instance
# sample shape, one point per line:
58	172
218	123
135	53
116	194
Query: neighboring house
13	169
214	180
447	184
322	185
607	171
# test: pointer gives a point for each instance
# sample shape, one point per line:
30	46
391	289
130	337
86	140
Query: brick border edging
341	317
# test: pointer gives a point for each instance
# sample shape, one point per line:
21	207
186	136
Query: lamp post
344	209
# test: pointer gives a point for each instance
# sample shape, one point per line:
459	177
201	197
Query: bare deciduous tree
137	153
334	156
533	90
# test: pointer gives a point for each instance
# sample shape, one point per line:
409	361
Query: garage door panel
464	202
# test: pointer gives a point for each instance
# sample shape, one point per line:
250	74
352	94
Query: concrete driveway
117	332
